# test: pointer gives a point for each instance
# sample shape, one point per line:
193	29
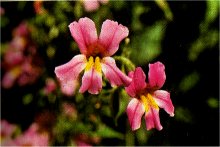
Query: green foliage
182	114
147	45
104	115
189	81
213	102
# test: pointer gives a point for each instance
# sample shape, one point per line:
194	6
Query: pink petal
91	5
84	33
69	72
152	119
135	111
9	78
156	75
91	81
138	82
111	35
163	100
114	75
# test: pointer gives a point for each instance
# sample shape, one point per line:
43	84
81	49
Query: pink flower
85	140
7	130
32	137
50	86
146	98
92	5
95	57
69	110
20	59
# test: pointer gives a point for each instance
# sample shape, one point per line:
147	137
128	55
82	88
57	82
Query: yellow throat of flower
148	102
96	65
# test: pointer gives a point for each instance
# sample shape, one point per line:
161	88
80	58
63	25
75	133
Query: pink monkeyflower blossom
32	137
22	30
85	140
20	60
2	11
69	110
7	130
147	98
92	5
50	86
94	58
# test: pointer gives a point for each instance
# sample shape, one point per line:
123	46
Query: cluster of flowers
31	137
95	59
20	61
41	132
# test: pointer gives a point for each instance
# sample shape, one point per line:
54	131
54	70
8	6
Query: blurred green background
183	35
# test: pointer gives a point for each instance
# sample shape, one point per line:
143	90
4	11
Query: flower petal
91	5
152	119
10	77
156	75
111	35
84	33
69	72
91	81
135	111
163	100
114	75
138	82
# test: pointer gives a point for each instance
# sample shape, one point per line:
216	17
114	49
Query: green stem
126	61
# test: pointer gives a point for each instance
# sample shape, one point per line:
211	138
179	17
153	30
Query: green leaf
123	102
27	99
189	81
54	32
165	8
183	115
147	45
142	134
107	132
213	102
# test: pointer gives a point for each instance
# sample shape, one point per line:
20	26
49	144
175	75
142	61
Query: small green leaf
123	102
147	45
213	102
107	132
27	99
189	81
183	114
54	32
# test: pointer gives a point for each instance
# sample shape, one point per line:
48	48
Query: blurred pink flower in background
19	60
69	110
92	5
85	140
50	86
7	131
146	98
94	58
32	137
2	11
